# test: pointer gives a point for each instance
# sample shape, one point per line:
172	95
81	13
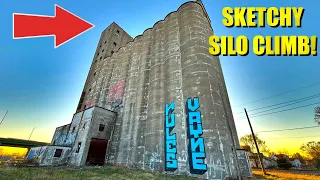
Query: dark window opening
58	153
78	148
84	126
73	129
114	43
94	73
89	89
105	41
96	61
118	31
100	46
112	52
102	50
101	127
100	57
98	54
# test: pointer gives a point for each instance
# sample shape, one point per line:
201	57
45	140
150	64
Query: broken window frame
78	147
58	153
101	127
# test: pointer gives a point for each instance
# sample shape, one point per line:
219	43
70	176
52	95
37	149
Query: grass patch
108	172
119	173
282	175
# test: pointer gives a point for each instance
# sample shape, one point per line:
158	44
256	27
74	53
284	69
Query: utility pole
31	133
4	117
255	142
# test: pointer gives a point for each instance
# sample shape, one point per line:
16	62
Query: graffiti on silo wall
196	148
116	91
196	142
171	163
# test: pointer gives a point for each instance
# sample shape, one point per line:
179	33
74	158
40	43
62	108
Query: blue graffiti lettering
198	165
171	163
196	142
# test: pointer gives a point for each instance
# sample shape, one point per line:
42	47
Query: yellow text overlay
260	17
268	45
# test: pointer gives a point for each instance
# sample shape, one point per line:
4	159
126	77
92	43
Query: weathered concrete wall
73	130
107	118
111	40
88	128
104	117
60	135
244	163
170	96
44	156
50	160
82	121
36	154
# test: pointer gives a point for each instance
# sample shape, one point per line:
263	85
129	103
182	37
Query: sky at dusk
41	86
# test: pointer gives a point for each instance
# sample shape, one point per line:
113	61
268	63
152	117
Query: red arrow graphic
64	26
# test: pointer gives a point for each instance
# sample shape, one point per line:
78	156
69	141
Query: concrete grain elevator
160	100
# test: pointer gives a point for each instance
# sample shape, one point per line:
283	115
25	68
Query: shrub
317	163
283	163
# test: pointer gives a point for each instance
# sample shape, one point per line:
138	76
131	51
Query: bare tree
317	114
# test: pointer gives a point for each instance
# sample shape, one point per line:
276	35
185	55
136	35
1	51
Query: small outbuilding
49	155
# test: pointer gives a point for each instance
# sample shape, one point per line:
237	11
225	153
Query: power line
284	110
4	117
280	106
31	133
294	137
291	129
304	98
278	94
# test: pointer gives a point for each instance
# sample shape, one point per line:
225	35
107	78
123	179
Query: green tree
247	140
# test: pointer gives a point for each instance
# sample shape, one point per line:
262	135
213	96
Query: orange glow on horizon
12	151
